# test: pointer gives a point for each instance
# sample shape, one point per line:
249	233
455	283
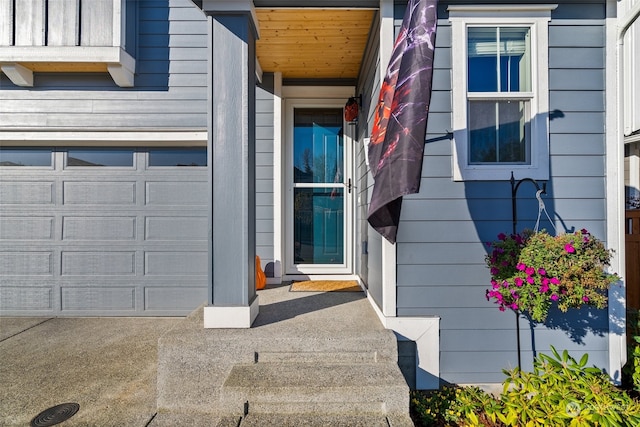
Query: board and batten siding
440	250
264	172
170	89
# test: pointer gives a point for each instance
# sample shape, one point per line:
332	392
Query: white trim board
102	138
231	317
425	331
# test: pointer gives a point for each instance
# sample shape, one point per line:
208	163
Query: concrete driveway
106	365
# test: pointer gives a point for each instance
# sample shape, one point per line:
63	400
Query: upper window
500	91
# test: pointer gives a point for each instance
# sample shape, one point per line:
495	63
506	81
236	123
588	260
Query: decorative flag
399	127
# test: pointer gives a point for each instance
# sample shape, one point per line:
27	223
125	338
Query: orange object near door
261	278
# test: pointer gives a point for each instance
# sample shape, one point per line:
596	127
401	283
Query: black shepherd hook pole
514	216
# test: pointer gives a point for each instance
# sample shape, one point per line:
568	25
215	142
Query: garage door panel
99	193
175	263
98	228
36	263
26	193
121	263
176	228
26	228
103	241
174	298
176	193
26	298
98	298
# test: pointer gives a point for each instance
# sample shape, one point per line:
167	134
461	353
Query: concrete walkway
106	365
109	366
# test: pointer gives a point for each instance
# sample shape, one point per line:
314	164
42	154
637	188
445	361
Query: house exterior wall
113	240
169	91
440	249
368	243
265	173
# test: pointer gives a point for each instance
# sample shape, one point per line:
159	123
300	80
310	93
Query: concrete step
280	420
335	357
287	388
319	420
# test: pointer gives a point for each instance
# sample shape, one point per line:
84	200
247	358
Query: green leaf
473	418
584	360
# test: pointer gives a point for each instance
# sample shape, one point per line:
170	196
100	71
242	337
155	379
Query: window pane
318	225
100	157
318	146
178	157
25	157
499	59
498	132
482	66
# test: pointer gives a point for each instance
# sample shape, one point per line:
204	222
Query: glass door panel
318	187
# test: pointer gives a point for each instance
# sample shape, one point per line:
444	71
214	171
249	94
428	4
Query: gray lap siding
440	250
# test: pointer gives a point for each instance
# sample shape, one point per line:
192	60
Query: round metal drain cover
55	415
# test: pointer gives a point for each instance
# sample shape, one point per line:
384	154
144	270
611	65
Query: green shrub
631	371
559	392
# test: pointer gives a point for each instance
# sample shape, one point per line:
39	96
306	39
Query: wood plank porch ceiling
313	43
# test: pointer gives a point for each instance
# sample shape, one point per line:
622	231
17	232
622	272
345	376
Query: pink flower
518	239
502	236
585	298
505	284
544	288
494	284
494	271
530	280
554	297
514	306
518	281
584	231
501	308
530	271
521	266
545	281
555	281
542	271
569	248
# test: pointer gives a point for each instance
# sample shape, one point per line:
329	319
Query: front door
319	191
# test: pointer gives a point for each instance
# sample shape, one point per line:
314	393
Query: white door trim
293	100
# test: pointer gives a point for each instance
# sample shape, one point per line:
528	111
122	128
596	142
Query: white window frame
535	17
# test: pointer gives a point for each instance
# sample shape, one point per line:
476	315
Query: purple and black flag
400	123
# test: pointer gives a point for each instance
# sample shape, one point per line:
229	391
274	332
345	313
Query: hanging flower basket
533	270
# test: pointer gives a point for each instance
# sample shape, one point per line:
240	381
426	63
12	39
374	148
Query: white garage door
102	231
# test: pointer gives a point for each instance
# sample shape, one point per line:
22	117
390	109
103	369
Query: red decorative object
351	110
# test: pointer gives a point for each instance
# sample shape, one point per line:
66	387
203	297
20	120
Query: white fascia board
233	317
80	54
101	138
